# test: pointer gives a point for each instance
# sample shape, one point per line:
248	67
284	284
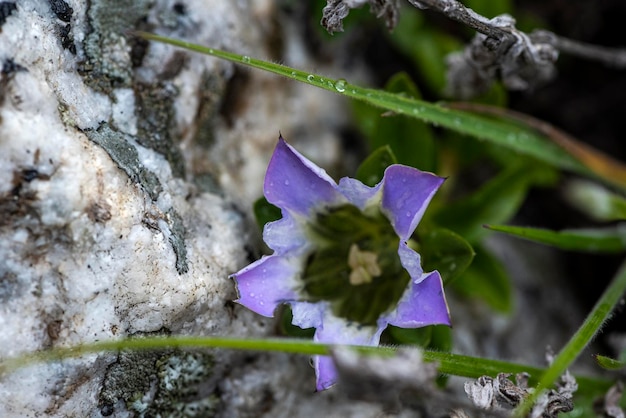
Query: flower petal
285	235
411	261
325	371
339	331
307	314
406	194
267	283
296	184
356	192
422	304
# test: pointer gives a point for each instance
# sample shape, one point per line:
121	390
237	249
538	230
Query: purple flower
342	255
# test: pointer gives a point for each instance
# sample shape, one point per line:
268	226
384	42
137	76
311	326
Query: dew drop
293	74
408	214
340	85
251	294
286	182
245	59
310	78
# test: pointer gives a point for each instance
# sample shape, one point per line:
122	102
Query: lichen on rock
122	201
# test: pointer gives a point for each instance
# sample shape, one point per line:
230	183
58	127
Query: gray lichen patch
185	387
210	94
130	378
176	238
107	49
165	383
124	154
155	119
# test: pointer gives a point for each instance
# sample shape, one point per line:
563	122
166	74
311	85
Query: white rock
89	208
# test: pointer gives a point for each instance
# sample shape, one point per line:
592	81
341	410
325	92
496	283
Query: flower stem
600	313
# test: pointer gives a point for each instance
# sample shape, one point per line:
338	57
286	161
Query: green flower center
355	265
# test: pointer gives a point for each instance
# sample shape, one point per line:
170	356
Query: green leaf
609	363
496	202
372	169
486	279
520	139
596	201
410	140
489	8
598	240
426	46
444	251
265	212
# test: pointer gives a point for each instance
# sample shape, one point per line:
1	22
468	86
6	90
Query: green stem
453	364
600	313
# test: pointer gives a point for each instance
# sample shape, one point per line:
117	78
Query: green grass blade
515	138
601	312
453	364
599	240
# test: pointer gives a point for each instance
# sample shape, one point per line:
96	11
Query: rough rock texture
128	170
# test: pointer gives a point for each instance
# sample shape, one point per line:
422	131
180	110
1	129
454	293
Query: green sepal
407	336
445	251
486	279
265	212
372	169
609	363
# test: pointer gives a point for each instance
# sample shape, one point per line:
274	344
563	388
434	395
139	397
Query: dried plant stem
613	57
454	10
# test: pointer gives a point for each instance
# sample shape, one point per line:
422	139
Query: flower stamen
364	265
